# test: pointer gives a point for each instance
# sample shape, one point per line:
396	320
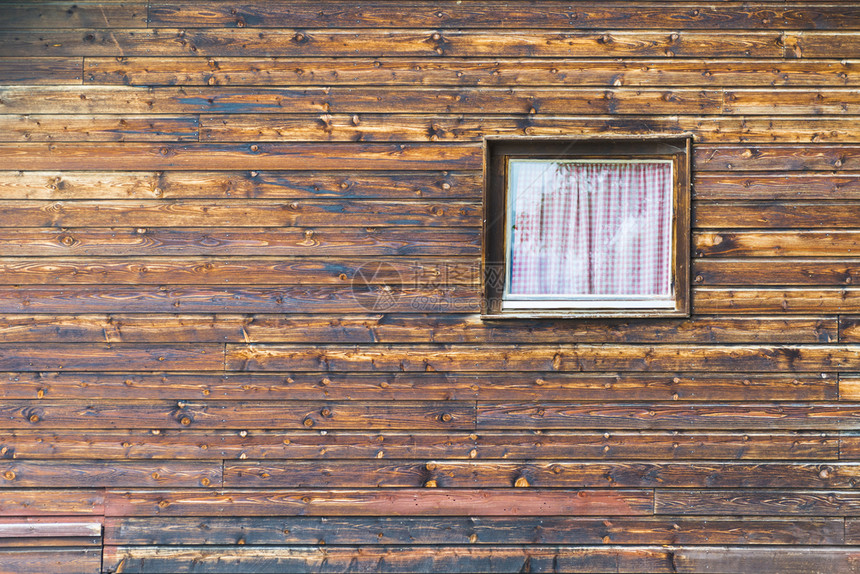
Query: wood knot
446	417
9	475
521	482
430	484
308	422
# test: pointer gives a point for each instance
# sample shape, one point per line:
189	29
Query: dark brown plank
273	71
32	502
401	502
290	299
555	474
421	386
794	243
322	102
67	128
476	531
776	187
397	42
41	71
550	415
852	531
821	44
282	241
774	300
323	156
763	503
540	14
300	559
776	158
407	328
668	357
39	561
57	15
124	474
509	445
106	357
61	185
240	213
849	329
298	415
763	215
263	271
767	561
773	271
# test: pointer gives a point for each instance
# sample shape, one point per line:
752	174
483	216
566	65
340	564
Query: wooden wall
193	381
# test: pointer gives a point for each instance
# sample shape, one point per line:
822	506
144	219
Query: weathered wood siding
192	381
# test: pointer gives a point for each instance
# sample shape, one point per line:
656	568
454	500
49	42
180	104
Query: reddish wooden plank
776	187
401	502
39	561
776	157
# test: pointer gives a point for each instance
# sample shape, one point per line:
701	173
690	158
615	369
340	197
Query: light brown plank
794	243
106	357
69	128
61	502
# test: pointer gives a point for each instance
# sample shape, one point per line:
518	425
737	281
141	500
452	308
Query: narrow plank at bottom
42	561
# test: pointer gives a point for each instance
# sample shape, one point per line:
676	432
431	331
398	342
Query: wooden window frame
494	259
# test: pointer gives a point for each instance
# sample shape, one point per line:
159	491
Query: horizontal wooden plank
772	271
57	15
41	71
168	156
220	271
49	128
376	502
60	185
215	299
766	561
78	542
372	43
281	241
61	502
774	300
38	561
476	531
239	213
186	444
297	415
849	384
273	71
550	415
793	243
849	442
757	502
555	474
764	215
421	386
849	329
407	328
541	14
852	531
423	128
53	527
781	158
292	559
775	187
106	357
95	99
497	357
123	474
821	44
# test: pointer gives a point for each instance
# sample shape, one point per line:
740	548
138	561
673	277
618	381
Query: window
586	228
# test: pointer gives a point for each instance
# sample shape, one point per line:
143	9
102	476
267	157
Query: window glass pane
590	229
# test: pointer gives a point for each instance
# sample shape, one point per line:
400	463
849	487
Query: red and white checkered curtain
591	228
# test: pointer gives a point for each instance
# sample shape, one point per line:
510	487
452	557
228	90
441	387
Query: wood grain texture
745	300
38	561
619	445
60	502
773	271
794	560
60	15
375	502
449	14
101	356
48	128
474	531
128	559
369	43
89	474
423	386
41	71
794	243
274	71
763	503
